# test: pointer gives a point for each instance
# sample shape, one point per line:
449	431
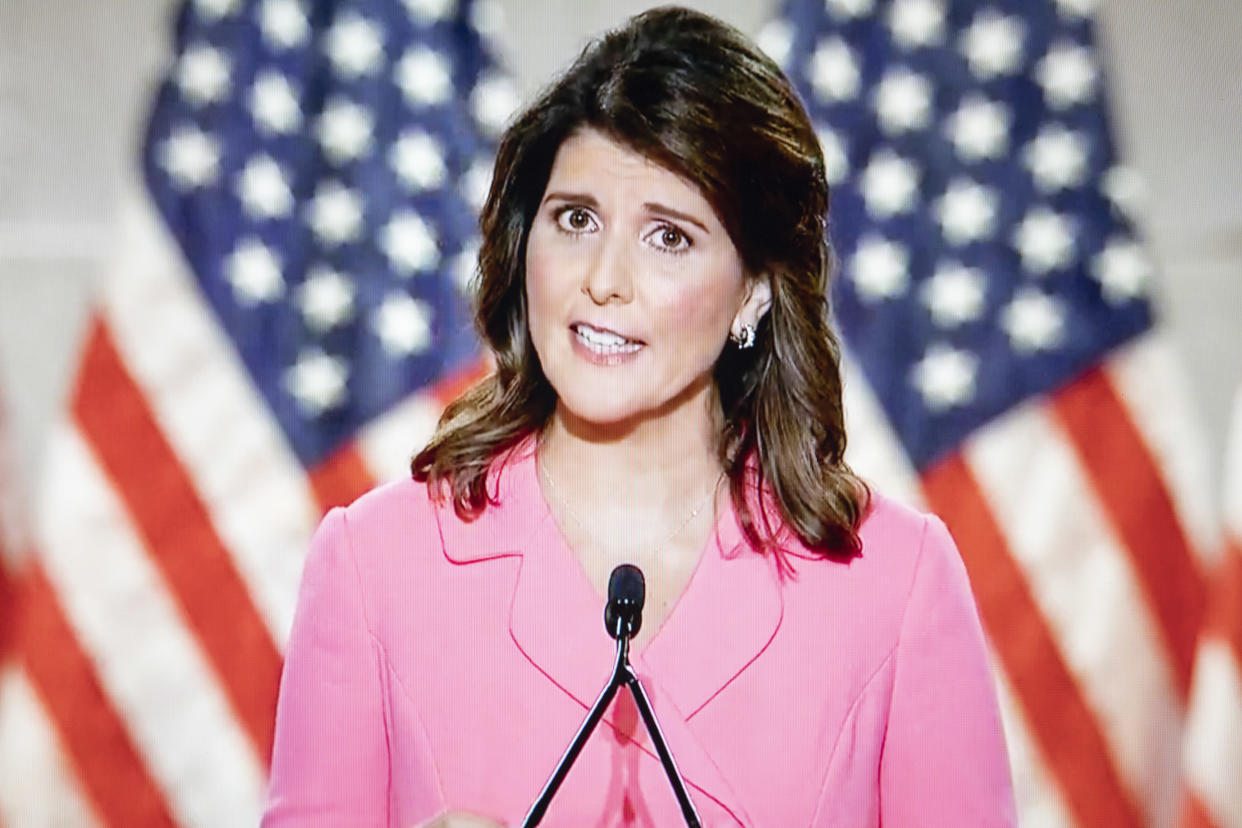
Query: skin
624	243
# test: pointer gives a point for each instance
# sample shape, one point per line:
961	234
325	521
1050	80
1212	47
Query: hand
459	819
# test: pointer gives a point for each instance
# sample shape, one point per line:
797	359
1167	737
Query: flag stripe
1071	559
145	655
341	479
213	417
1146	374
1194	815
1060	722
1225	614
872	446
176	528
1038	801
1213	746
1131	488
107	762
37	785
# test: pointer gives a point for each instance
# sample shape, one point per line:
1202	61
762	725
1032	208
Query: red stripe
92	733
178	533
1130	487
1225	613
341	479
1194	815
1059	719
452	385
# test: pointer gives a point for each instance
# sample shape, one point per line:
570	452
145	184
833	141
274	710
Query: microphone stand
622	673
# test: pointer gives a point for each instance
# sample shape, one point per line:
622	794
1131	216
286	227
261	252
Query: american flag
284	318
1008	372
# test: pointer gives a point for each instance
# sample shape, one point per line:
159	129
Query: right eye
575	220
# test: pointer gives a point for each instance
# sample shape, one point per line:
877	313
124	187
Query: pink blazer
440	665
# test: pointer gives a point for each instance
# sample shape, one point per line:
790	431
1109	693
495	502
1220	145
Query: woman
667	393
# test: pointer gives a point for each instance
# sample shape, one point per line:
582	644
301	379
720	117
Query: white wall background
75	77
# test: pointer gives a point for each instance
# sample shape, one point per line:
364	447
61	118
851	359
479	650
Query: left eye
669	237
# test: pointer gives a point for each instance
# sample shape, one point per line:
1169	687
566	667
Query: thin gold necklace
570	512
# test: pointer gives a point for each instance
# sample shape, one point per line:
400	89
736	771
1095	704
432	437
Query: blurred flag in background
282	322
1008	372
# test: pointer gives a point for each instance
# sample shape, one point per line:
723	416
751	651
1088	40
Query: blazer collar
733	600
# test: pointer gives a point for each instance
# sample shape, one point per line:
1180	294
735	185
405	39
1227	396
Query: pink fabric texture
439	665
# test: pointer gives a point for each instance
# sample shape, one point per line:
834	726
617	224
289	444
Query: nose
608	277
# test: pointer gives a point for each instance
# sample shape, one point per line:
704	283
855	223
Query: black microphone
627	591
623	617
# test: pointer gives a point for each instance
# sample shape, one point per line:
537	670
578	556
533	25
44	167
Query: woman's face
632	284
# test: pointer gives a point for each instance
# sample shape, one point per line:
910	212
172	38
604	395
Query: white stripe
255	489
388	443
1153	386
147	661
1082	581
872	449
1233	474
37	787
1214	733
1036	795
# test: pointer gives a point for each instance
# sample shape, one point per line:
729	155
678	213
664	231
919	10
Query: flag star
317	381
487	17
254	272
916	23
191	158
355	46
345	131
476	182
945	376
834	72
966	211
1044	240
1077	9
418	160
1034	321
403	325
326	299
423	76
335	213
903	101
1067	74
428	11
203	75
1122	270
849	9
283	23
889	184
465	268
410	243
979	128
274	104
263	189
494	100
776	38
836	161
955	294
214	10
880	269
1124	188
1057	158
992	44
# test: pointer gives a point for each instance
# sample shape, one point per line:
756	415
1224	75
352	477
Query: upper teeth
601	337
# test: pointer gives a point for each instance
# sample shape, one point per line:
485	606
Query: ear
755	305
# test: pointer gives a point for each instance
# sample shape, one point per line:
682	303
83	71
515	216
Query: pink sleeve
943	760
330	762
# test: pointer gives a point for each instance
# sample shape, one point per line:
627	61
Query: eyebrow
651	206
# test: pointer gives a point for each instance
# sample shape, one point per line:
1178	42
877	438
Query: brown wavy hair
697	97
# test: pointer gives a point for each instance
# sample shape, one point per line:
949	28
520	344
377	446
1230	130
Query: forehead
590	159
